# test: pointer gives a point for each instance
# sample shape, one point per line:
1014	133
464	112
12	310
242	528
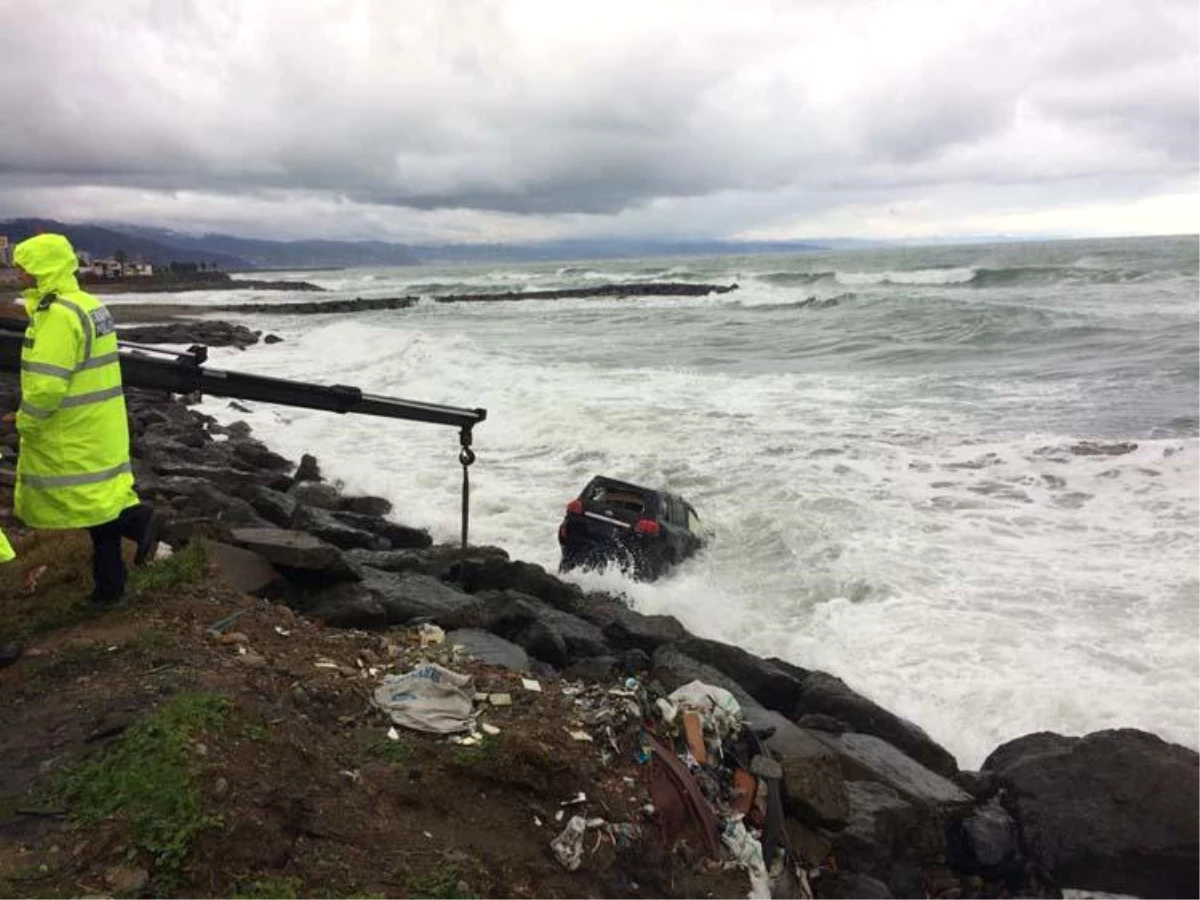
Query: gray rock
490	649
1113	811
296	551
408	597
397	535
886	838
864	757
349	606
324	525
991	835
241	569
592	669
551	635
627	629
315	494
477	573
258	455
672	668
825	694
767	683
392	560
849	884
367	506
276	507
309	470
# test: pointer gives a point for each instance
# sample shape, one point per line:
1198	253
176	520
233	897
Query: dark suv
645	530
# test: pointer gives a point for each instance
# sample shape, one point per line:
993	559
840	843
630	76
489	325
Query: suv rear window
617	497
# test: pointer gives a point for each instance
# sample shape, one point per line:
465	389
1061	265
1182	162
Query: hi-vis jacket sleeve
46	369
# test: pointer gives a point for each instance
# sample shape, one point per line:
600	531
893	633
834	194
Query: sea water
963	479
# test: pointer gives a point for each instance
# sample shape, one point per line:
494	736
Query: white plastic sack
746	851
719	710
429	698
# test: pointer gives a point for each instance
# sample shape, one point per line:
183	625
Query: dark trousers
108	568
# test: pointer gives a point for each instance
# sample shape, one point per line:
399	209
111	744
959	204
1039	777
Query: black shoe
103	600
147	546
9	654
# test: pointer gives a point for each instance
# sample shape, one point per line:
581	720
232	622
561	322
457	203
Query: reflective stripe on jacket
73	470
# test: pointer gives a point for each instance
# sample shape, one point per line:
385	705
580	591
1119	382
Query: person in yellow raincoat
73	469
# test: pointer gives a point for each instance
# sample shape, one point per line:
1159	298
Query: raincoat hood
50	259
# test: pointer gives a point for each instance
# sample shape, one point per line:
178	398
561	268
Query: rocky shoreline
1113	811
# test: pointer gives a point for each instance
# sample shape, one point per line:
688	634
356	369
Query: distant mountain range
161	246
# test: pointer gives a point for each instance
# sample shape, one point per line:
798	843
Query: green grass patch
149	779
438	883
187	566
486	751
377	745
272	887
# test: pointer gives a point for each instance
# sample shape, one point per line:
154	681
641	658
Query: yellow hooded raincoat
6	550
73	470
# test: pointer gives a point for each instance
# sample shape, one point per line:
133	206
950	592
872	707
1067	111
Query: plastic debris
393	733
489	729
568	846
580	736
537	821
558	816
279	629
428	633
429	698
500	699
531	684
326	664
581	797
747	853
719	709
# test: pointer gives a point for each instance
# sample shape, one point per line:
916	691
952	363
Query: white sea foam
916	276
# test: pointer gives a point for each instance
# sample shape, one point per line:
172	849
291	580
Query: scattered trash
393	733
427	834
531	684
323	663
693	730
537	821
429	698
580	735
500	699
558	816
279	629
581	797
747	853
719	709
489	729
32	577
428	634
568	846
352	774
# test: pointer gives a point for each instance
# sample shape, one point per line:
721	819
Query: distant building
111	267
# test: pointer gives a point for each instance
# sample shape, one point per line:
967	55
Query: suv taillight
575	506
647	527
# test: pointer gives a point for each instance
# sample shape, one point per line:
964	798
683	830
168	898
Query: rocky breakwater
859	801
621	290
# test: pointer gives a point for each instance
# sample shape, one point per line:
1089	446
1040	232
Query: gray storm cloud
549	109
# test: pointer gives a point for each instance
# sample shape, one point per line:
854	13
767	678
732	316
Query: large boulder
823	693
398	536
1113	811
324	525
549	634
887	838
490	649
298	555
864	757
766	682
628	629
489	573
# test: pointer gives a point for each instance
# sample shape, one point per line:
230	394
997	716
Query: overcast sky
512	120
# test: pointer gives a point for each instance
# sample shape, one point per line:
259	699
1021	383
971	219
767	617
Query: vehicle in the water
645	531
